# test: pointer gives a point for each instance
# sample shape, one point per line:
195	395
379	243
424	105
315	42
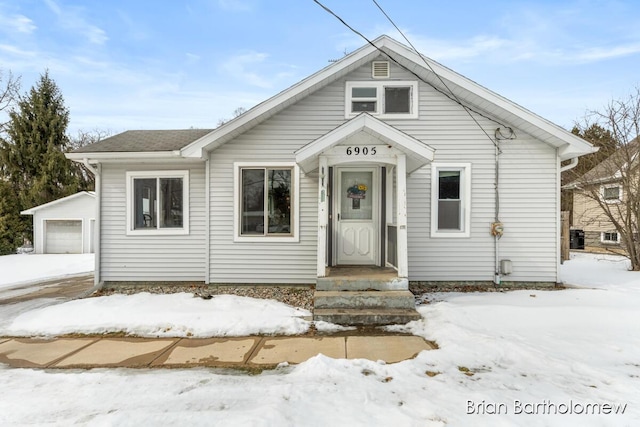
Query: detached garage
64	226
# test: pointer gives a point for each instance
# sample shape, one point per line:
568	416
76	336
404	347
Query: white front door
357	216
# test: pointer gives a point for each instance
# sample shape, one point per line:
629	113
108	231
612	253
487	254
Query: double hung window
450	200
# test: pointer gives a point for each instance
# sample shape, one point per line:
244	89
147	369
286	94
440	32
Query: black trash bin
576	239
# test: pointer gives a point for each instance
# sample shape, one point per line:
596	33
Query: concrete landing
241	352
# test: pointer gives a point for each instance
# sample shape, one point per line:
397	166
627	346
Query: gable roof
145	140
611	168
466	91
59	201
194	143
418	153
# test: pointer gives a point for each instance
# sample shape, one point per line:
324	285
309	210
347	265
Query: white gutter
571	165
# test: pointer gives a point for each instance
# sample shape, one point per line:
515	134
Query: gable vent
380	69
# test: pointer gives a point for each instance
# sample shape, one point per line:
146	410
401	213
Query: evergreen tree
32	152
11	226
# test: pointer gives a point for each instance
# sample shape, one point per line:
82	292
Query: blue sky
165	64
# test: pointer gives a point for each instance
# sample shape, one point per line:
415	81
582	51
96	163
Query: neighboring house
64	226
598	197
368	162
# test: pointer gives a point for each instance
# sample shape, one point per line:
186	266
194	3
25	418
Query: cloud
245	67
71	19
16	51
604	53
17	24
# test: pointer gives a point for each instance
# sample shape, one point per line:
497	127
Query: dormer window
389	99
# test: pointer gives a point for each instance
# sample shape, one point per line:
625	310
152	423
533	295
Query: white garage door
63	237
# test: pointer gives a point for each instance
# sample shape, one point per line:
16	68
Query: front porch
362	257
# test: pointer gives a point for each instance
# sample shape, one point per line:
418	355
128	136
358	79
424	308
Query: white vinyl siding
529	209
81	208
151	257
528	194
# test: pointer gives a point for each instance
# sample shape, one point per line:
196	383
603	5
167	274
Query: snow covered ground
535	358
17	270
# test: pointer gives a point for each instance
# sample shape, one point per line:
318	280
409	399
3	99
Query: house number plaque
361	151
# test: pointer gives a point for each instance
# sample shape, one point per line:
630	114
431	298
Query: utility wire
449	95
467	109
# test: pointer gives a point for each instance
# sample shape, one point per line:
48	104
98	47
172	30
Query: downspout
207	209
96	171
571	165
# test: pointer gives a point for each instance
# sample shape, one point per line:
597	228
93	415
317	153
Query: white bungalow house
385	159
64	226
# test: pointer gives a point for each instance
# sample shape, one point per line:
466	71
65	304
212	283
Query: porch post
323	216
401	220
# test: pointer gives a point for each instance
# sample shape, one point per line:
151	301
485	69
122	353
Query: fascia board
104	157
196	148
31	211
580	146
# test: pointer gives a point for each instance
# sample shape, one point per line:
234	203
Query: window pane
363	92
144	199
252	210
355	200
397	99
449	185
358	107
611	193
279	188
171	202
449	215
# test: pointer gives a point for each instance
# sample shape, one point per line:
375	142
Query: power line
449	95
467	109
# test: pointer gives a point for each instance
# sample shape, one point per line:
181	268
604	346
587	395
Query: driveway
67	288
15	301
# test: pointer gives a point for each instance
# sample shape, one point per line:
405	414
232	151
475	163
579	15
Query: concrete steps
363	299
366	317
365	308
361	284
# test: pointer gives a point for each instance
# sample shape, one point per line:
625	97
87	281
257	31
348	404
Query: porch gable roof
418	153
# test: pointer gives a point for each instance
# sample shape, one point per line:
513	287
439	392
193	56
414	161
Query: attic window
380	69
389	99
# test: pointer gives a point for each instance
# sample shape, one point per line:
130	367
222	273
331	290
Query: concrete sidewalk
241	352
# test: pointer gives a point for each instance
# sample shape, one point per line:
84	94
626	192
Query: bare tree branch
608	195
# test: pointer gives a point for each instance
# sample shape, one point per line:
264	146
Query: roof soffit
418	153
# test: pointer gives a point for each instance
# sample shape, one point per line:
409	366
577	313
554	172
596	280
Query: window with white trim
611	193
450	199
266	202
157	202
609	237
388	99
